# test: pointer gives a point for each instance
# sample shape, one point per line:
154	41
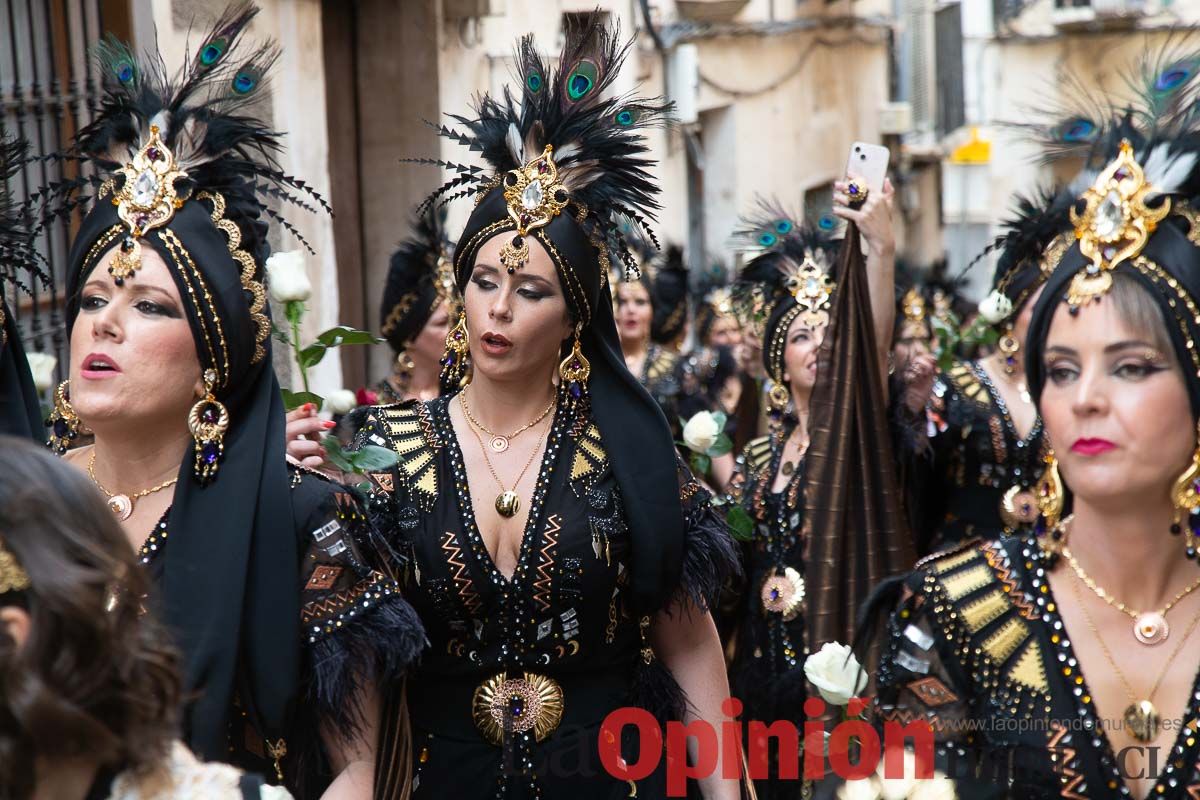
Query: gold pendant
120	505
1143	721
508	504
788	468
531	702
499	444
1151	628
783	594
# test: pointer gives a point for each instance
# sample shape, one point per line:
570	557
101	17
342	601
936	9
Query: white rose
287	278
42	366
995	308
342	401
897	787
859	789
836	673
939	787
701	432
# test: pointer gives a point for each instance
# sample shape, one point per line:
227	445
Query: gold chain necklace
788	468
499	441
1141	716
122	504
507	502
1149	627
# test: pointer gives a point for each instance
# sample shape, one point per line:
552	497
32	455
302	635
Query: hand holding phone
869	164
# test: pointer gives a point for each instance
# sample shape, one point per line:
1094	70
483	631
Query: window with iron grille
951	112
49	88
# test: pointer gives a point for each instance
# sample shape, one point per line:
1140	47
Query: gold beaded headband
12	577
914	306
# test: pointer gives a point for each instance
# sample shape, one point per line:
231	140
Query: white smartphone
868	163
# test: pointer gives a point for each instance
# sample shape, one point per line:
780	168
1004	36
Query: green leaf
336	455
311	355
700	463
721	446
719	417
336	337
740	523
373	458
293	400
294	311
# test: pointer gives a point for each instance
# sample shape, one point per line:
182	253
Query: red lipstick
495	344
1092	447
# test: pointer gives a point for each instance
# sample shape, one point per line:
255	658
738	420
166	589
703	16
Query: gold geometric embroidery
968	384
944	565
541	590
758	453
408	440
461	576
1004	642
965	582
323	578
1029	669
984	610
590	457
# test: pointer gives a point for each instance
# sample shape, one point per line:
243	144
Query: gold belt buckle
530	702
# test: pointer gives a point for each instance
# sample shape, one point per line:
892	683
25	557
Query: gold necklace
1141	716
1149	627
507	502
499	441
122	504
788	468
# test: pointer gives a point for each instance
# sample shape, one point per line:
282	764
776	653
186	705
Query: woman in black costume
260	569
559	554
1084	631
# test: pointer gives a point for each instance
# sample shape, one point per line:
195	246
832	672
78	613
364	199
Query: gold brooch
914	306
146	200
534	197
1114	226
812	287
12	577
532	702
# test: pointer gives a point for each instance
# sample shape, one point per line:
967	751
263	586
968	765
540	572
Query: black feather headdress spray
183	166
20	412
563	159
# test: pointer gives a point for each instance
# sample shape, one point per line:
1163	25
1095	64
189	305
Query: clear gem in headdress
809	283
146	200
534	197
1115	224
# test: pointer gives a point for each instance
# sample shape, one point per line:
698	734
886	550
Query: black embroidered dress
561	627
977	649
767	672
979	461
355	627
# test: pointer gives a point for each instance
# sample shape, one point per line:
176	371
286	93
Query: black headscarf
229	576
415	281
599	155
1167	267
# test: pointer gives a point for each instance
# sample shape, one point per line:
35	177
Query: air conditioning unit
472	9
1106	14
895	119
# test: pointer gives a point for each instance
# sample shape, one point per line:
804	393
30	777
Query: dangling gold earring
1050	501
573	373
1186	500
208	420
455	361
1009	347
777	403
64	423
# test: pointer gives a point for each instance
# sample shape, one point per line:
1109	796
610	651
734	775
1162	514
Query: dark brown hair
95	677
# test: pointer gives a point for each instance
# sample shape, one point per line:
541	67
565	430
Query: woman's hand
303	432
919	376
874	217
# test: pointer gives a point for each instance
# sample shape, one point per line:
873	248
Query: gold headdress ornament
12	577
1115	224
810	285
914	305
534	198
146	200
